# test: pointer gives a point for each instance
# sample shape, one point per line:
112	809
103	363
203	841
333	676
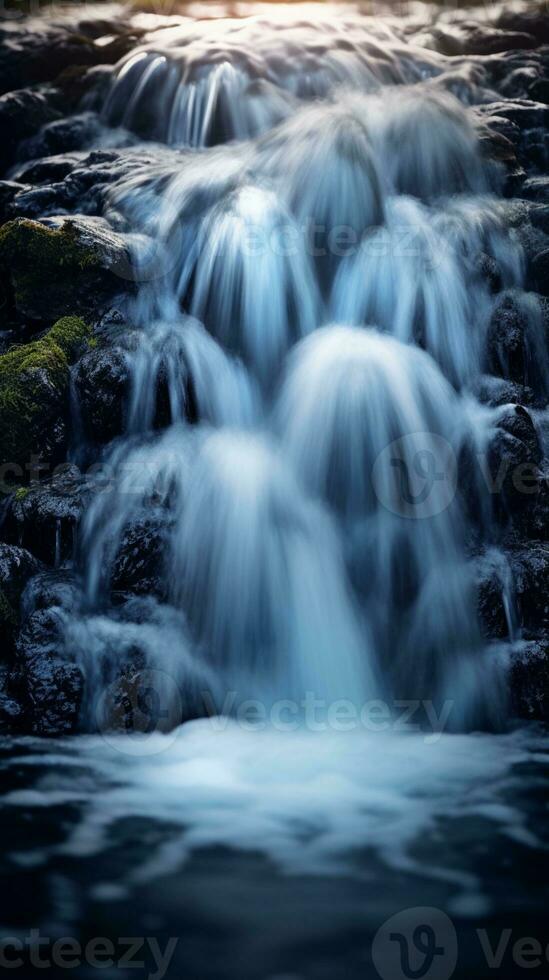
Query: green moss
21	493
34	381
70	333
45	265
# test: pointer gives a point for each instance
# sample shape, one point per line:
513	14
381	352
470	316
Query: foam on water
309	802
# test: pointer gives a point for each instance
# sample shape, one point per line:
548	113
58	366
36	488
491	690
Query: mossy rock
34	396
49	272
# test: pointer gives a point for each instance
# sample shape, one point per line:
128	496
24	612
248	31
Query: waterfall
376	431
301	374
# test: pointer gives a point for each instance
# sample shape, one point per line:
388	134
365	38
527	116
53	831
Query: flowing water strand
178	369
259	569
254	286
407	279
201	85
374	428
138	477
324	164
427	142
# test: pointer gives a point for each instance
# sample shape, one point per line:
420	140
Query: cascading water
307	475
274	688
376	431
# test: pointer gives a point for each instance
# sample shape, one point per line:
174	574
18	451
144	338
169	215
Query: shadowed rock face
137	154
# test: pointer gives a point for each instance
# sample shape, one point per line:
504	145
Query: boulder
102	385
511	466
49	588
473	38
22	113
62	266
517	341
536	189
34	400
539	270
17	566
496	392
45	515
495	614
530	570
36	51
45	683
529	679
62	136
139	565
11	715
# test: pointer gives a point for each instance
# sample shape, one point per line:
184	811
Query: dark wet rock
518	422
495	392
40	202
102	384
44	516
34	400
529	679
17	566
531	19
140	562
29	55
539	216
511	467
62	136
530	570
534	243
43	680
62	266
9	189
536	189
87	178
523	113
59	588
539	271
22	113
11	715
495	616
51	169
472	38
517	340
539	90
523	123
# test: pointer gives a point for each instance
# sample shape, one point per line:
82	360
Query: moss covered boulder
67	265
34	400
